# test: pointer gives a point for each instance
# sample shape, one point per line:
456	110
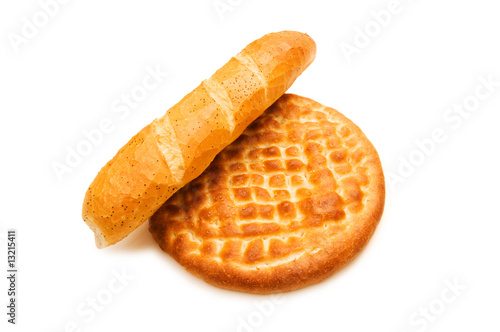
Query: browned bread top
291	201
177	147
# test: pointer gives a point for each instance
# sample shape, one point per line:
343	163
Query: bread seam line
248	62
169	147
221	97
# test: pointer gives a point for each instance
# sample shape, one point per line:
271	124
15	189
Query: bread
177	147
295	198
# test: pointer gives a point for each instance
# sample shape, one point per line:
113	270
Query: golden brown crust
177	147
295	198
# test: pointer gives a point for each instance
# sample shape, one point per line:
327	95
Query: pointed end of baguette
100	240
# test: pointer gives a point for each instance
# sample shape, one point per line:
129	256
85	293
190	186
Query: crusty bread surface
177	147
294	199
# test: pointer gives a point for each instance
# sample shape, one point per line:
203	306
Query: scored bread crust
294	199
177	147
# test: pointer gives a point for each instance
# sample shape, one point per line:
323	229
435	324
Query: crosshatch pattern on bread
295	198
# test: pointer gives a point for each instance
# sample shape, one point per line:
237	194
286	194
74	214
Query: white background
440	224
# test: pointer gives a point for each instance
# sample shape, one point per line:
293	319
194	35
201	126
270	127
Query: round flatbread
295	198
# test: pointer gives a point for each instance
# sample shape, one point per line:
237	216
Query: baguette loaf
176	148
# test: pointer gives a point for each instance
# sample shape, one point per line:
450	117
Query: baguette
176	148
